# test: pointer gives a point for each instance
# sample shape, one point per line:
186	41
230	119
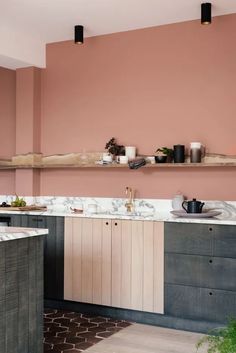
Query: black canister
179	153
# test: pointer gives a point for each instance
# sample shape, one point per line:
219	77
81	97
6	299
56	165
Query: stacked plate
204	214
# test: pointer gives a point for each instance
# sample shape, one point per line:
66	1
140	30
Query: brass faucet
130	202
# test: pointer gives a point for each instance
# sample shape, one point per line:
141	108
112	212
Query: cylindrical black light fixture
206	13
79	34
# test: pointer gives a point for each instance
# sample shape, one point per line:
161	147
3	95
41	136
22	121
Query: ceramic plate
206	214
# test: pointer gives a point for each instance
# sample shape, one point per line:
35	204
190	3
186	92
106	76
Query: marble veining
14	233
114	208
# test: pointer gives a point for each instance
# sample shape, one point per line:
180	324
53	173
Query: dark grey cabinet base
21	295
141	317
200	268
53	249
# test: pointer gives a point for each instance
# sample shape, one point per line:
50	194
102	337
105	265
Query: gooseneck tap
130	201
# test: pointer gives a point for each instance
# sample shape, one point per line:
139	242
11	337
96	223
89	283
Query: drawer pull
210	261
210	229
40	220
116	224
107	223
210	293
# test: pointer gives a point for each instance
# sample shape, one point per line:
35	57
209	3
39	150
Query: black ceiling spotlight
79	34
206	13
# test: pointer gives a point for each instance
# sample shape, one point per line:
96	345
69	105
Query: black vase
179	153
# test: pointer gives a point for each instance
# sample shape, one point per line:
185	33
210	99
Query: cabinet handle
210	229
34	219
40	220
115	223
210	261
107	223
210	293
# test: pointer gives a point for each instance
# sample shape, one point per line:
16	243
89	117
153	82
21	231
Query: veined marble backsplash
151	206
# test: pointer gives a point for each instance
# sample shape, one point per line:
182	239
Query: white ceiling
49	21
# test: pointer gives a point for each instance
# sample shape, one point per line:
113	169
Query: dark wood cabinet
53	253
198	303
200	268
53	249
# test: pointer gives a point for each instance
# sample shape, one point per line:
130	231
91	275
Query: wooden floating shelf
123	166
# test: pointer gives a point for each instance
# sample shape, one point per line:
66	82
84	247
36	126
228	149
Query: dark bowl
160	159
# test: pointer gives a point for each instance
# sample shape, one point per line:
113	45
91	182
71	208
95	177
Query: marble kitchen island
21	290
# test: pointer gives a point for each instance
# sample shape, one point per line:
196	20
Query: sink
132	214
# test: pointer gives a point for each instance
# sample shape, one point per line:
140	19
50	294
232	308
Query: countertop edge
157	217
16	233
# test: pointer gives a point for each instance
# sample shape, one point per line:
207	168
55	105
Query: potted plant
221	340
113	148
163	154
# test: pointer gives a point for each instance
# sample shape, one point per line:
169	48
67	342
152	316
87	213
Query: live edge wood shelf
123	166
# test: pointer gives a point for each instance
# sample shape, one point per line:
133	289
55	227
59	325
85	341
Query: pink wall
148	88
7	123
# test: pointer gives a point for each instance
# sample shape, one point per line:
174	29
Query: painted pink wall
148	88
7	123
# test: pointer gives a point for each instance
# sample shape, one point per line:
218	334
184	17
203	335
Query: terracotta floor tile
64	321
84	345
123	324
87	334
67	334
98	320
47	346
62	347
94	339
75	340
106	325
105	334
88	324
54	340
71	332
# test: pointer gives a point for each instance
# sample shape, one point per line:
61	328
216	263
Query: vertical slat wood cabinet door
88	260
138	265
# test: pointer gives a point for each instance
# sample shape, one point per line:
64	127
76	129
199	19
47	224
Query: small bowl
160	159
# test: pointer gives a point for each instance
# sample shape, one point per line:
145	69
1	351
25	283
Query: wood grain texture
117	263
126	264
87	258
97	260
76	260
200	265
68	268
21	296
137	266
106	262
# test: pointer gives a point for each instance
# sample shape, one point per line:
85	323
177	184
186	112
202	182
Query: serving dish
204	214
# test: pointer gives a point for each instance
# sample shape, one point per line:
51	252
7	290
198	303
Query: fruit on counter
4	204
18	202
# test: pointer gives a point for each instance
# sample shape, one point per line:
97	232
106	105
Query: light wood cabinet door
138	265
118	263
88	260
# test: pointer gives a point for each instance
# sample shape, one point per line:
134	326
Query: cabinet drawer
186	238
199	303
224	241
200	271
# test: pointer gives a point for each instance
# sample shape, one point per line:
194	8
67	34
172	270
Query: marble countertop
114	208
15	233
226	218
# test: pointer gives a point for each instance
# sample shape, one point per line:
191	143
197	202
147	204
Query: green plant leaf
222	340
